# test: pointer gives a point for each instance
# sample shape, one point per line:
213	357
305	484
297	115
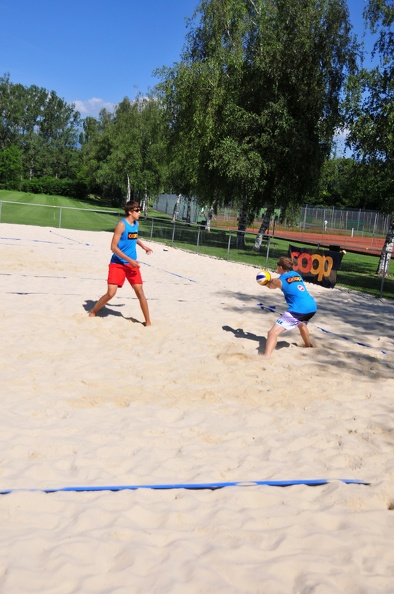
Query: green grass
38	209
357	272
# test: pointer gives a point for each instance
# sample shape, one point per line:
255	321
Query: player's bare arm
144	247
274	283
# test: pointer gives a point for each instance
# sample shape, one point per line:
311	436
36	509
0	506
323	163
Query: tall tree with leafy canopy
370	105
42	126
125	152
58	128
255	97
10	167
123	164
153	139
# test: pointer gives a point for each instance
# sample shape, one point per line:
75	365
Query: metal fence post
60	217
173	234
1	204
151	229
198	237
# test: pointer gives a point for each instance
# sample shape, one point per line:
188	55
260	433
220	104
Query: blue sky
94	53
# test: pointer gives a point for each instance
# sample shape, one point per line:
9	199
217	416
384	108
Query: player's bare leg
272	339
111	292
303	328
139	291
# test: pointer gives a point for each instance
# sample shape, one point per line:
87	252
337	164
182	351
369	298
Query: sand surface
90	402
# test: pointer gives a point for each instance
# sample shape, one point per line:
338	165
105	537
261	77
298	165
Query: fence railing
223	243
348	221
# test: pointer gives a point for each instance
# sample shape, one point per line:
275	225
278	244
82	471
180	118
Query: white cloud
341	134
92	107
339	144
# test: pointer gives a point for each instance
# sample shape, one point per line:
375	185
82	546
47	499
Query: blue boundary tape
169	272
69	238
193	486
272	308
33	240
45	241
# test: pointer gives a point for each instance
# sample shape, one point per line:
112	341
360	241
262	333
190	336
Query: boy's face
135	213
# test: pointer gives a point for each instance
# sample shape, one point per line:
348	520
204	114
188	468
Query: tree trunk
144	205
387	251
265	224
242	218
209	219
176	208
189	210
128	188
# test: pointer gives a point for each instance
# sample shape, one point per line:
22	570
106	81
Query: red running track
367	245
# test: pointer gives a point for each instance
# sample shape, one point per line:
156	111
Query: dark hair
129	206
286	263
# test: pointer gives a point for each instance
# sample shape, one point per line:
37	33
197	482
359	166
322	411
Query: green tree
343	184
12	101
254	101
125	152
58	127
123	164
370	107
153	135
43	126
10	167
95	148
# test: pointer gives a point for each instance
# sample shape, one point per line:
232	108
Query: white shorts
290	320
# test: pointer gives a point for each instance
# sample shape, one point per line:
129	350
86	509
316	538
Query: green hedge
56	187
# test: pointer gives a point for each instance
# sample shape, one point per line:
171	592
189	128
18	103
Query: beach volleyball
263	277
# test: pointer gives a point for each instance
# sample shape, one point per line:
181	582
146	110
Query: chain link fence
357	272
352	221
240	247
315	218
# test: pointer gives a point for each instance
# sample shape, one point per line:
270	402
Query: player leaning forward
302	306
124	263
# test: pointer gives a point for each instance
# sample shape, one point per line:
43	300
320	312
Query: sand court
105	401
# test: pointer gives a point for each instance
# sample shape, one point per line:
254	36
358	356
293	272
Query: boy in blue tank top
302	306
124	264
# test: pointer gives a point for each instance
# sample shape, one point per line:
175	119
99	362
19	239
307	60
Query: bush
56	187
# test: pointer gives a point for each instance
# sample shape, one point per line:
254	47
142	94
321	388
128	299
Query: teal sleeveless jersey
127	243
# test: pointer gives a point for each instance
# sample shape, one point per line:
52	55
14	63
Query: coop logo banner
316	266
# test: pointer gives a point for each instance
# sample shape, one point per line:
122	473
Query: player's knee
271	332
138	291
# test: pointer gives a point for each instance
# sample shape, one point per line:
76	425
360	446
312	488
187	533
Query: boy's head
285	263
131	206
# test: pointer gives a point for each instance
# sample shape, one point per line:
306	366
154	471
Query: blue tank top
296	294
127	243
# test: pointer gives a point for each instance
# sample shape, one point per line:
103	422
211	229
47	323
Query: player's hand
134	264
148	251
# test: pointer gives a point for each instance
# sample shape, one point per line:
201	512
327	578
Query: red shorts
117	274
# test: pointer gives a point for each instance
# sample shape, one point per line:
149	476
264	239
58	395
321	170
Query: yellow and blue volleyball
263	277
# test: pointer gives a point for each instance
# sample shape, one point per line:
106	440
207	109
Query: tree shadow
359	310
350	311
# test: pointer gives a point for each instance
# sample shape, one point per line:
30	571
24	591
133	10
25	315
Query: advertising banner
316	265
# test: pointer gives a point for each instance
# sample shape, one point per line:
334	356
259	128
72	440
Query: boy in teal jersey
302	306
124	264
